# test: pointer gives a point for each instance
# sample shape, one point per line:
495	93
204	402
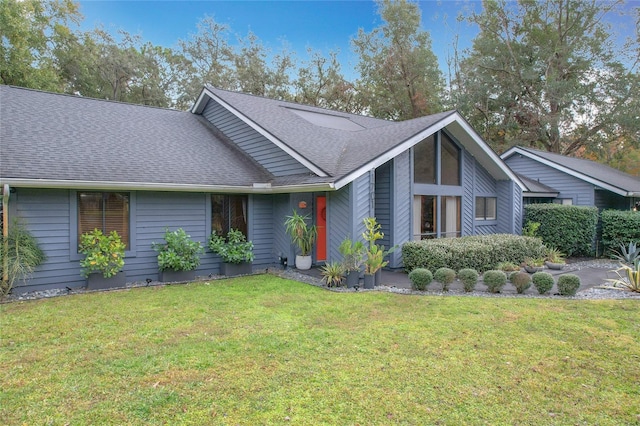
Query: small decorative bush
568	284
234	248
543	281
494	280
521	281
511	275
179	252
469	278
420	278
507	267
103	253
445	276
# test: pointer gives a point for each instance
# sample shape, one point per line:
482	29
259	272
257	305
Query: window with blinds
107	211
228	211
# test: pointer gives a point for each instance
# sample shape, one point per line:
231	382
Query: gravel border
593	293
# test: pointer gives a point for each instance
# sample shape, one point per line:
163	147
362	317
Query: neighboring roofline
199	105
256	188
572	172
454	116
540	194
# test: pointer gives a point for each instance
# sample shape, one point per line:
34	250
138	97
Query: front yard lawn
265	350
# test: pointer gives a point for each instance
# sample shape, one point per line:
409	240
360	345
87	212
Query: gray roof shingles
62	137
589	168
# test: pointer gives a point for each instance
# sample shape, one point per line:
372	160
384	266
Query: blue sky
322	25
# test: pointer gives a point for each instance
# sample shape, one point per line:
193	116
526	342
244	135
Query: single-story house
68	164
555	178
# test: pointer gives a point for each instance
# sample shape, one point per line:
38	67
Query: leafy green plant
372	231
628	277
507	267
352	254
20	254
619	228
494	280
234	248
301	234
521	281
543	281
179	252
568	284
445	276
420	278
332	273
469	278
530	229
103	253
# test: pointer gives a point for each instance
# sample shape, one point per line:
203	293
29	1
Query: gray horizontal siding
402	205
263	151
339	218
261	232
383	202
581	192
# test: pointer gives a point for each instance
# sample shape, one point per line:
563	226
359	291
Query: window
228	211
107	211
563	201
424	161
450	161
486	208
426	220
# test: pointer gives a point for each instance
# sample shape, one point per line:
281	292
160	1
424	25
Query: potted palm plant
236	252
303	236
178	256
103	261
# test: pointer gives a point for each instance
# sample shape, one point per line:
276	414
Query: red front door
321	224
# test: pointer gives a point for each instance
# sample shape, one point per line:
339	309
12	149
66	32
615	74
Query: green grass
263	350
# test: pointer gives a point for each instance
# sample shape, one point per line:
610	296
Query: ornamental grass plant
264	350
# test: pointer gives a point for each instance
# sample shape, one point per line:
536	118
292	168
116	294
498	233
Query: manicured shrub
619	228
571	229
543	281
469	278
420	278
507	267
568	284
445	276
494	280
521	281
511	274
481	252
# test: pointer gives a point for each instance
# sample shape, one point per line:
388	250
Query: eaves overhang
256	188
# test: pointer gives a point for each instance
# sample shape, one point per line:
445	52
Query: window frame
209	212
74	216
484	217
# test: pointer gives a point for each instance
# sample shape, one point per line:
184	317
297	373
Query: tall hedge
619	227
571	229
482	252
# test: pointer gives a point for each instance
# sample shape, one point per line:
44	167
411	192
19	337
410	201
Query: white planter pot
303	262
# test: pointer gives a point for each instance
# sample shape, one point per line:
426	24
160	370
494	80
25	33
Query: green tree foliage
29	29
548	74
400	78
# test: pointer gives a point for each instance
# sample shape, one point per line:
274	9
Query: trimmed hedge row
619	227
482	252
570	229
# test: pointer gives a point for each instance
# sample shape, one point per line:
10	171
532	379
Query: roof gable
589	171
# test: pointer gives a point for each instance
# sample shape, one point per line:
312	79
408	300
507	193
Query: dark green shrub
511	274
494	280
543	281
420	278
571	229
445	276
619	228
469	278
568	284
480	252
521	281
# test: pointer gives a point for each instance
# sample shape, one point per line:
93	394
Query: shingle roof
583	169
61	137
335	151
537	188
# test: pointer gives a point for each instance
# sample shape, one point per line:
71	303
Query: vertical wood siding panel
263	151
401	206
